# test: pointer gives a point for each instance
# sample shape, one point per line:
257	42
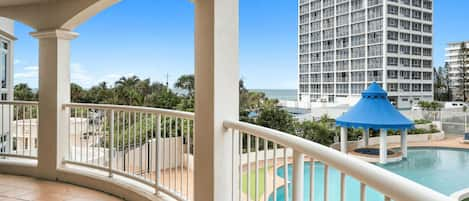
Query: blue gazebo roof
374	111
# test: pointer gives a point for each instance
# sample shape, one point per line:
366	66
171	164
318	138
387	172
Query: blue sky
151	38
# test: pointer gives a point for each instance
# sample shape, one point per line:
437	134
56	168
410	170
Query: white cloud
29	72
17	61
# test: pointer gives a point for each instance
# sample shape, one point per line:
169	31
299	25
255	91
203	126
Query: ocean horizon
280	94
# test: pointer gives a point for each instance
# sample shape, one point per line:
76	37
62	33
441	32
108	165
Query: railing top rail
19	102
175	113
386	182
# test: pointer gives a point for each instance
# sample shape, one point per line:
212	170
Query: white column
343	139
54	90
383	147
216	98
298	176
366	136
404	143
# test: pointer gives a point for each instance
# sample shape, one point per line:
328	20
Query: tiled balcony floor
17	188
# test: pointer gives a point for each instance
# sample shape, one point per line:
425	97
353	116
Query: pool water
443	170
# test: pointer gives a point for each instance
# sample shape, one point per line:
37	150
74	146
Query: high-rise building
344	45
457	59
6	74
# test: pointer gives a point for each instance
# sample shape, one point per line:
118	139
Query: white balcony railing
155	147
261	147
18	129
152	146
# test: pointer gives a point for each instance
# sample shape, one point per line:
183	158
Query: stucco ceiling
16	2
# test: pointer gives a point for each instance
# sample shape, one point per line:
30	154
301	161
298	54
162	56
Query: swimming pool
443	170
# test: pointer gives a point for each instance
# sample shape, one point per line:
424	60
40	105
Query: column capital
55	33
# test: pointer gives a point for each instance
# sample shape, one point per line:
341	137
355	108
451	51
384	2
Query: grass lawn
252	178
467	199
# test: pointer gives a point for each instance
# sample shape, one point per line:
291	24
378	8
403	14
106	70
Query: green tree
276	118
187	83
316	131
23	92
78	94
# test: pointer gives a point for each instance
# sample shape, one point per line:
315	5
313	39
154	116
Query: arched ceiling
53	14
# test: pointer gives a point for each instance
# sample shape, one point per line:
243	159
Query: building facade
6	82
344	45
457	59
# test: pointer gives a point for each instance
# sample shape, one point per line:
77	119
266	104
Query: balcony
139	153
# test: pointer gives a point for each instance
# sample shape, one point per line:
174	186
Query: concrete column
216	98
54	90
383	147
366	136
343	139
404	143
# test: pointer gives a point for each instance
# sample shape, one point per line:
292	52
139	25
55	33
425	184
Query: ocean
280	94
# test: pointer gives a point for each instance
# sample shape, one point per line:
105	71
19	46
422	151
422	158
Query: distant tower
344	45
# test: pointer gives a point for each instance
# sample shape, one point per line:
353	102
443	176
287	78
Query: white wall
7	25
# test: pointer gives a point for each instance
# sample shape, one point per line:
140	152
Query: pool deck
450	141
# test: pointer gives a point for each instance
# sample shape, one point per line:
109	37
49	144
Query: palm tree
186	82
126	92
23	92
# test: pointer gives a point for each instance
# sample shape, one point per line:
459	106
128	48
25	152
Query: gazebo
374	111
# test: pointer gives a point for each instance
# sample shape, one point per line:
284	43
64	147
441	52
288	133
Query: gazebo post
343	139
404	143
383	148
366	136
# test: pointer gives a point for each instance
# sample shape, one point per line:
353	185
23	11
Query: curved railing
18	129
261	147
150	145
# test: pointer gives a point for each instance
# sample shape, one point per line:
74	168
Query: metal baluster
342	186
175	148
170	150
188	156
249	167
182	154
311	179
128	142
87	133
266	164
285	172
30	131
362	192
256	193
240	167
274	174
326	182
24	133
141	169
116	134
135	144
164	148
157	152
111	146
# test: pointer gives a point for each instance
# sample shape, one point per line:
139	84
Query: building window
393	61
416	14
392	22
405	62
405	12
375	63
393	10
405	49
392	48
405	37
393	35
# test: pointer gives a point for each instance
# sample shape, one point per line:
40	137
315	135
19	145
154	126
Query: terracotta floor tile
17	188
